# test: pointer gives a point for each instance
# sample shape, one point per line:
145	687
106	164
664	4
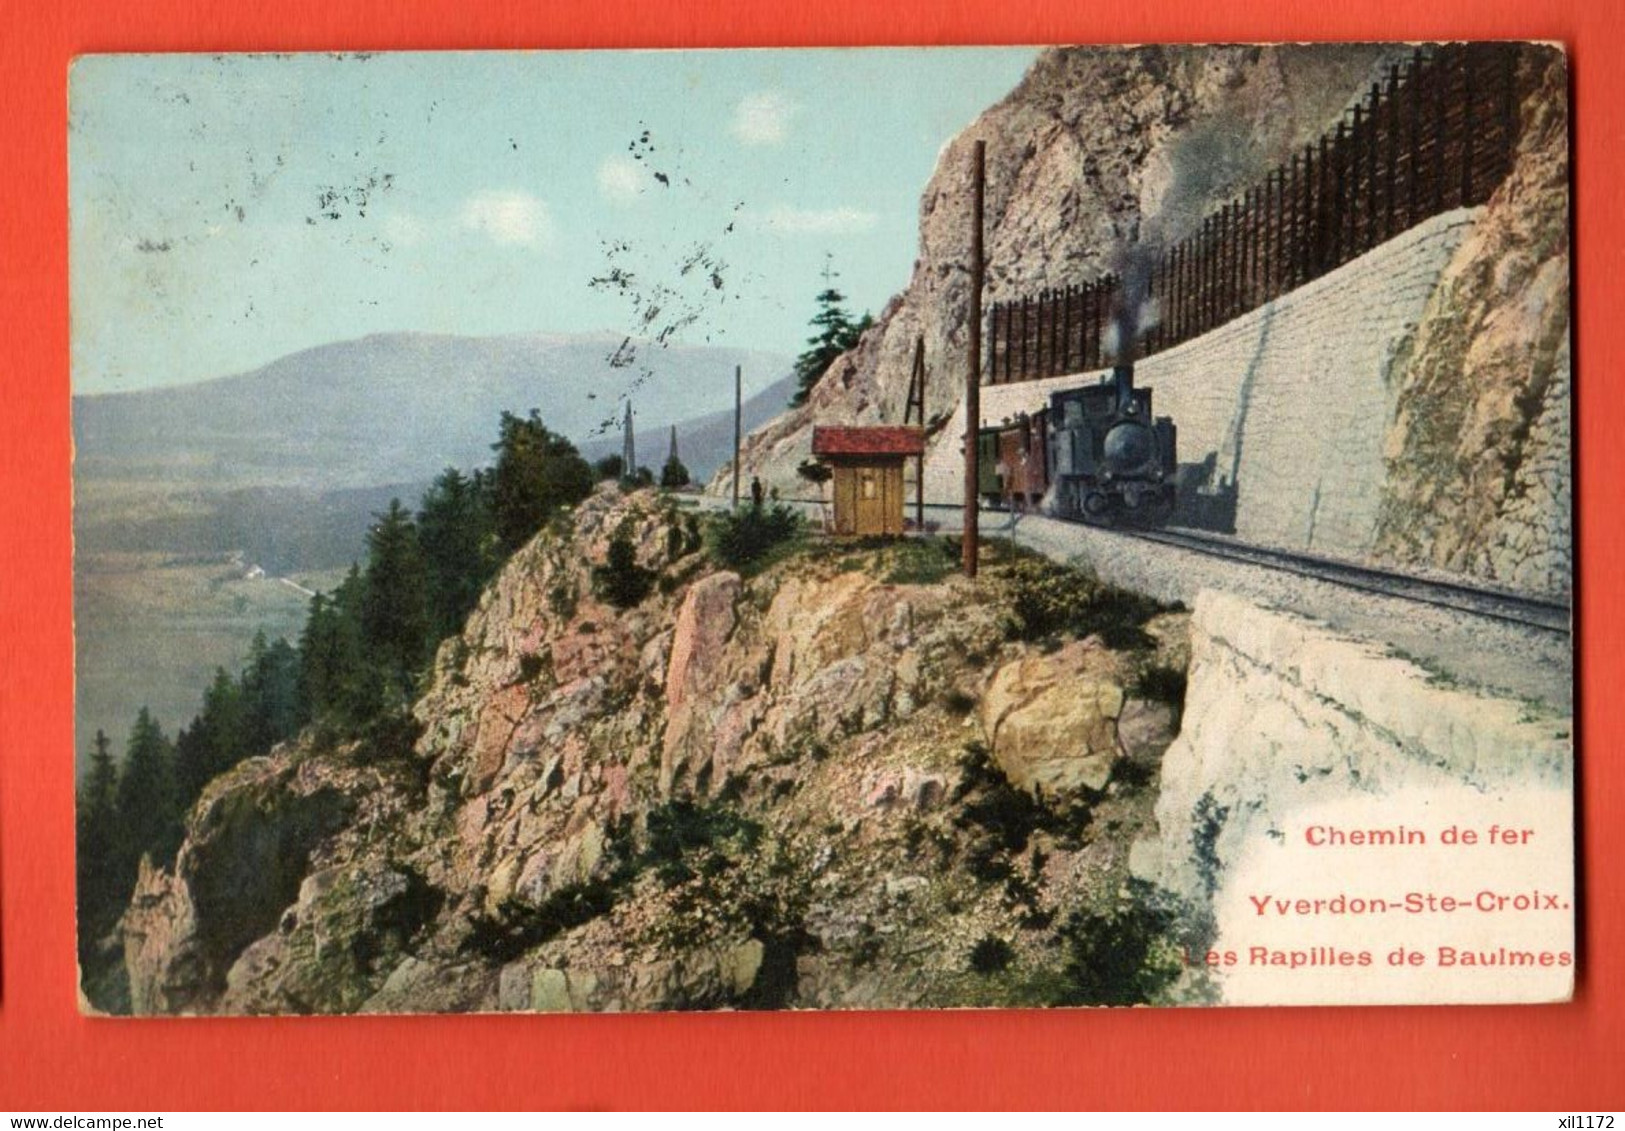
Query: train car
1111	462
1012	462
988	483
1023	456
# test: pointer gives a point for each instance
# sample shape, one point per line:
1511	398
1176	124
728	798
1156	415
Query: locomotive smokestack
1123	385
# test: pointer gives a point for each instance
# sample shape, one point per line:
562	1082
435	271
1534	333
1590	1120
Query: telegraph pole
973	367
629	457
916	406
738	380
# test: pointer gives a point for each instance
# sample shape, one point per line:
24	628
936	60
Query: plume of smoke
1207	161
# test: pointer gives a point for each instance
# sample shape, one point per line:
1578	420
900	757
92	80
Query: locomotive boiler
1110	460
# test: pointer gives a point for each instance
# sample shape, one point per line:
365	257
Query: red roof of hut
885	441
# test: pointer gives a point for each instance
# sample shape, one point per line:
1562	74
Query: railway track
1530	612
1543	615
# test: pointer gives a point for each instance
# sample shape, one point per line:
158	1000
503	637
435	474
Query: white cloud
508	217
814	221
763	118
621	179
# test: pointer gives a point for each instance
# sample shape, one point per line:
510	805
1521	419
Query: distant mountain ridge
284	468
400	407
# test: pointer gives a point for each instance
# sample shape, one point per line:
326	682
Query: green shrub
620	580
989	802
1047	599
990	955
1122	956
744	538
685	840
920	561
561	598
388	736
519	926
531	666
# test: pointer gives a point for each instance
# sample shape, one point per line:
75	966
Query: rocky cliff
1094	152
847	780
1478	453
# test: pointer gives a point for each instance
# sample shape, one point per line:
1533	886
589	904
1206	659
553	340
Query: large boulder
1051	719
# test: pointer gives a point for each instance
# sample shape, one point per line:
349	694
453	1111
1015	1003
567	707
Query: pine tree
394	601
458	540
673	474
194	762
316	656
216	741
101	787
620	580
335	680
273	709
536	472
835	333
101	887
148	811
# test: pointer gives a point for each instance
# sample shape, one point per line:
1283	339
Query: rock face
743	791
244	862
1479	452
1094	151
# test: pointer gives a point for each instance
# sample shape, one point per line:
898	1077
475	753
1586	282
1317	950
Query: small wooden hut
868	475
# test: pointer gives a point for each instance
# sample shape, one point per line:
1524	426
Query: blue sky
227	210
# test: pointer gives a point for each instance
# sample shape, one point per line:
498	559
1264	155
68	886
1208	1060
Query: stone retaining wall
1289	404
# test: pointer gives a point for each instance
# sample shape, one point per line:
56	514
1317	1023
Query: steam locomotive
1096	454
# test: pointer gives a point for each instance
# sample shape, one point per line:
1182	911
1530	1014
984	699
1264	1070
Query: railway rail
1541	614
1546	615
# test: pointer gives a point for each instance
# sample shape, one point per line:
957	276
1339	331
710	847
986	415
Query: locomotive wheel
1096	506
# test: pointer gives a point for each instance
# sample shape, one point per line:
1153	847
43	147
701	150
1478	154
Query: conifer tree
316	655
673	474
620	580
273	709
101	787
334	679
101	887
148	812
394	601
536	472
458	540
835	332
